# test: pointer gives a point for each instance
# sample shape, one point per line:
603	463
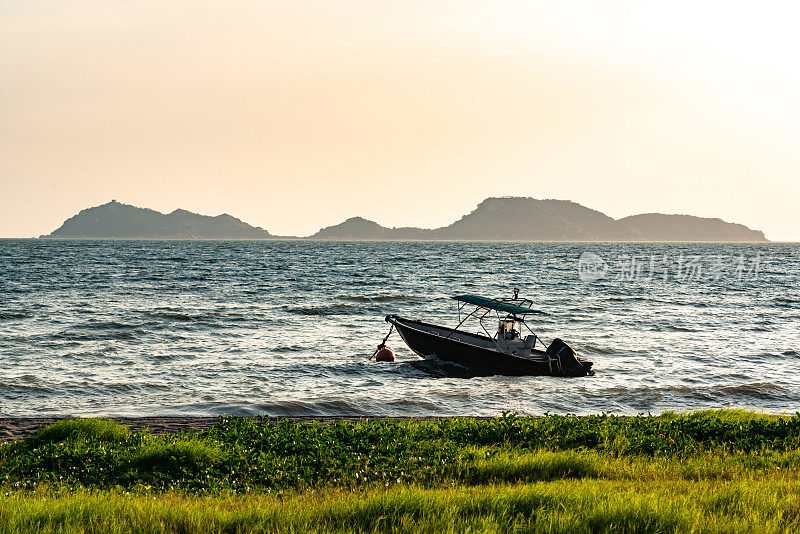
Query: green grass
584	505
710	471
82	429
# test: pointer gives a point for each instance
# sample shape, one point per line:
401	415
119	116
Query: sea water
131	328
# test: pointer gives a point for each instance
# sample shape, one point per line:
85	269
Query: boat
504	353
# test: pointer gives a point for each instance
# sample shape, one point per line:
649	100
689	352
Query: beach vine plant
263	454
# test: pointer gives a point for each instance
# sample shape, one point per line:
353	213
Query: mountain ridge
494	219
115	220
497	219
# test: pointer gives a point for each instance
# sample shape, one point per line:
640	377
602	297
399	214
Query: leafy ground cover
715	471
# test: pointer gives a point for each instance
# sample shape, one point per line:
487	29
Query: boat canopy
493	304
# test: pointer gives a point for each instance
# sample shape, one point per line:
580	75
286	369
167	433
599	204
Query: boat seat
530	341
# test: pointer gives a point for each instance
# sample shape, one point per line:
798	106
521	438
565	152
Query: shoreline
16	428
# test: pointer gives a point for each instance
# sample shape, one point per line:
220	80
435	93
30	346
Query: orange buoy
384	354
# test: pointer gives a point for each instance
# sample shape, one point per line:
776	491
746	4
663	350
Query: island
530	219
115	220
494	219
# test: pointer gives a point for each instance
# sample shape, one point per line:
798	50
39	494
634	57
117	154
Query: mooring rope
383	343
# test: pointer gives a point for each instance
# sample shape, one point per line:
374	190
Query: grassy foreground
718	471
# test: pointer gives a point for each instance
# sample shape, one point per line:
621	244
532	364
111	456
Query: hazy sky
295	115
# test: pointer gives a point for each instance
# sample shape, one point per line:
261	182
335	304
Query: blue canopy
493	304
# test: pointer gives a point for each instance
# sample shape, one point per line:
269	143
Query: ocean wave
109	325
208	317
753	390
172	356
376	298
101	330
332	407
10	315
758	390
673	328
290	348
596	349
432	366
135	386
79	336
416	405
332	309
96	386
7	388
167	313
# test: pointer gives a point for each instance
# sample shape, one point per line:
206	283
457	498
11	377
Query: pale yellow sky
295	115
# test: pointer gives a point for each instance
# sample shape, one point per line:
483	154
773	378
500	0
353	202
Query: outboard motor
563	360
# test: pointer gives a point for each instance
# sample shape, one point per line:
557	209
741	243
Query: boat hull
483	360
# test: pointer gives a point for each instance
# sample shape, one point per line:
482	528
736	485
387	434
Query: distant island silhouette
529	219
495	219
122	221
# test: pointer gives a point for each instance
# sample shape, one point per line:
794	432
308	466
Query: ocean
285	328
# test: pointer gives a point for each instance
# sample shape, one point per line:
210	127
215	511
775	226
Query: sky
295	115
